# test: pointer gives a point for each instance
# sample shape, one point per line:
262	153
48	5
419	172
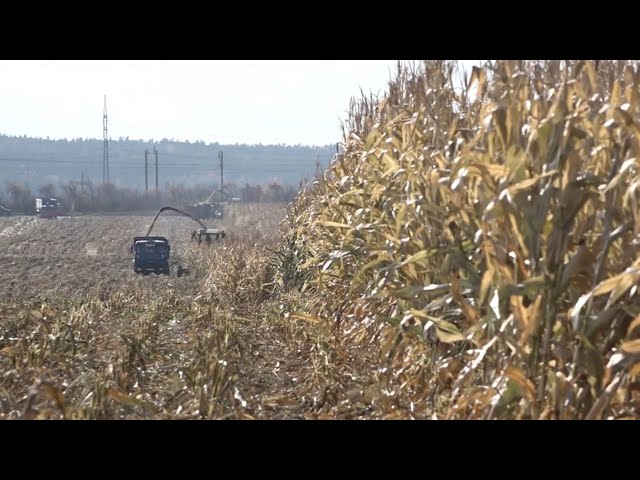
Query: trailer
208	234
151	254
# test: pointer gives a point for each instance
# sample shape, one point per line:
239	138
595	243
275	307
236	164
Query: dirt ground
73	256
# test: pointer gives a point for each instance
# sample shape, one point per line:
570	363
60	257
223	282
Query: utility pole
82	183
156	153
146	179
105	150
221	175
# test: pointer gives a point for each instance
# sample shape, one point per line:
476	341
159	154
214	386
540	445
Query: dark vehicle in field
213	207
208	209
48	207
151	254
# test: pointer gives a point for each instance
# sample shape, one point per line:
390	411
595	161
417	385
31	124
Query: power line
146	178
155	151
221	177
105	151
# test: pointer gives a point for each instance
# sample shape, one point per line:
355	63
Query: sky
226	101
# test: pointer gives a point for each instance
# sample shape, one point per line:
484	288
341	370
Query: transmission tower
105	152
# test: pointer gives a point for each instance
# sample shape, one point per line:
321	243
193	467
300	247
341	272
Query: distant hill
37	161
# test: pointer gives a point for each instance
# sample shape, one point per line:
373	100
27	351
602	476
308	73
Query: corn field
474	251
471	253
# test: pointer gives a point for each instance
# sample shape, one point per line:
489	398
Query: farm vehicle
152	253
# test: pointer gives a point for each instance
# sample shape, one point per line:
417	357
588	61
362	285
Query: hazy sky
263	101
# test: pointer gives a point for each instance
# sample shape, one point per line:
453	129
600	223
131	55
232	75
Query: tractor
208	234
48	207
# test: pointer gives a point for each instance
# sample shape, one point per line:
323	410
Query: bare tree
47	190
21	197
72	194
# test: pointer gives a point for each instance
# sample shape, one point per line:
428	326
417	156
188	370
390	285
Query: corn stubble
132	346
473	253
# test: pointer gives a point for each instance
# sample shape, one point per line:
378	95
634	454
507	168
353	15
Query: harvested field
468	255
82	336
71	257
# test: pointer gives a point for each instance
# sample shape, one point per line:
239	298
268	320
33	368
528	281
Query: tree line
90	197
41	160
